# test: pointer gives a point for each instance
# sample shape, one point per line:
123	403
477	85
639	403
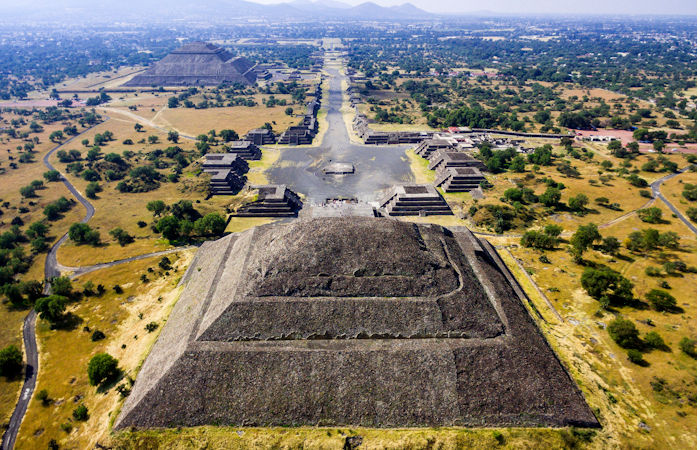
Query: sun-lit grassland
419	167
64	354
617	188
623	390
10	183
124	210
325	438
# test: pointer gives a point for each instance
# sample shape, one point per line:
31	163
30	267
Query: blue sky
687	7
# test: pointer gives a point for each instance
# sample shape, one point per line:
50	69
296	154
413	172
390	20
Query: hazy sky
545	6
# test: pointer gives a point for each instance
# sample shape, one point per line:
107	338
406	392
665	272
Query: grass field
64	354
240	118
328	438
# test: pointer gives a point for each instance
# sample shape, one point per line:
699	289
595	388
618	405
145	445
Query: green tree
138	127
10	362
550	197
37	229
51	308
62	286
661	301
624	333
228	135
607	286
212	224
653	340
52	175
169	227
688	347
583	239
610	245
102	368
121	236
92	189
156	207
650	215
81	233
173	136
578	203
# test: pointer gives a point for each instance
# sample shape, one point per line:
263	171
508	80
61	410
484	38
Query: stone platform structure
430	146
227	173
415	200
459	179
197	64
244	149
339	168
261	136
443	159
352	322
274	200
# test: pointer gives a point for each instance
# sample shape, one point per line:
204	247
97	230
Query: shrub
102	368
654	340
624	333
692	213
635	356
43	396
10	361
151	327
536	239
607	286
81	233
80	413
121	236
92	189
662	301
688	347
650	215
652	271
97	335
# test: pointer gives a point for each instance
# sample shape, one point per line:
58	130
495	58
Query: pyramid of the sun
352	321
197	64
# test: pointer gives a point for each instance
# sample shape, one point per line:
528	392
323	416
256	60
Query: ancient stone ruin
442	159
273	200
227	172
261	136
459	179
414	200
352	322
244	149
429	146
197	64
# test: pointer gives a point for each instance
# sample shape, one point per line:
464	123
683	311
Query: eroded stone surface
352	321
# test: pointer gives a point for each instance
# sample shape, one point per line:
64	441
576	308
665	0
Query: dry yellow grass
131	207
327	438
622	389
64	354
240	118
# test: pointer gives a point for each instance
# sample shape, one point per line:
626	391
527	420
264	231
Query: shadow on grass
110	383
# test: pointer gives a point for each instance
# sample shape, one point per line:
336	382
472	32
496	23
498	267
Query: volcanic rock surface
352	321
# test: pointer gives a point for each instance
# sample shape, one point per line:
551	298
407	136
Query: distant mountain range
218	10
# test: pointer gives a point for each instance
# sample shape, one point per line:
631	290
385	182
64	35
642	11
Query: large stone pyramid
196	64
352	321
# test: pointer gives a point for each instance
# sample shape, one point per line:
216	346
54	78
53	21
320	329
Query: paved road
656	192
29	330
376	168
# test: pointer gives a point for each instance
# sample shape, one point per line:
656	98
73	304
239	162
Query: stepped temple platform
415	200
459	179
244	149
272	201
